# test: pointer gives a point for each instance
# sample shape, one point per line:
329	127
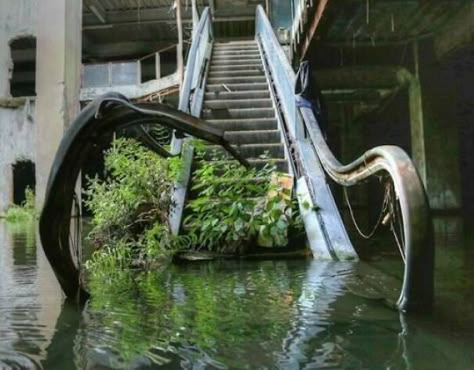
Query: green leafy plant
24	212
131	204
231	208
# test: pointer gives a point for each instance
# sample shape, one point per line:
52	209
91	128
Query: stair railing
196	65
417	234
190	101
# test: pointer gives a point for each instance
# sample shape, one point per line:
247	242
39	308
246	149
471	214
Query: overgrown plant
131	206
129	203
24	212
233	207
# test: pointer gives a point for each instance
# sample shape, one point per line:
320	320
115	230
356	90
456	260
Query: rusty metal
313	26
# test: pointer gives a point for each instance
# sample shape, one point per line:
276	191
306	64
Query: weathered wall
17	142
57	80
17	137
17	18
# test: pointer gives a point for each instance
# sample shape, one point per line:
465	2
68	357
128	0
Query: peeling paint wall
17	133
17	142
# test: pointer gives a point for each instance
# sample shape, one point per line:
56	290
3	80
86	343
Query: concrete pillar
435	134
58	64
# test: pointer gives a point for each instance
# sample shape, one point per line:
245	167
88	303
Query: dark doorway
23	178
23	81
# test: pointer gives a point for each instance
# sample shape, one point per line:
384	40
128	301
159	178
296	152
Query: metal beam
118	49
98	10
163	15
312	28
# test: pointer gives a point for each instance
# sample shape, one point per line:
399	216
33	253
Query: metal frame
417	289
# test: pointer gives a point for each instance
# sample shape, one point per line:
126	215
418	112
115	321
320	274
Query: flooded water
292	314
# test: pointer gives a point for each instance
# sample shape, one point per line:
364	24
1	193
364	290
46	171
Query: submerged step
248	124
238	113
253	137
238	103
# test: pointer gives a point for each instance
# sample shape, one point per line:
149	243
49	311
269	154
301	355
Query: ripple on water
17	361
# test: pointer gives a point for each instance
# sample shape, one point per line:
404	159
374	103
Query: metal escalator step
231	67
216	53
235	80
253	137
238	113
234	61
238	103
236	73
240	43
232	87
246	124
224	95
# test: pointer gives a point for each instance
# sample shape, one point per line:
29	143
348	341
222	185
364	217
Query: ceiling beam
104	51
136	16
162	15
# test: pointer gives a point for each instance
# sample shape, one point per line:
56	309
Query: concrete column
58	65
435	134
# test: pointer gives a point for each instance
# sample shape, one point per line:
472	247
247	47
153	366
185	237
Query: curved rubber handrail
100	118
417	289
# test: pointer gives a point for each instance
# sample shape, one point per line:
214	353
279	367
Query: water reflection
217	315
30	299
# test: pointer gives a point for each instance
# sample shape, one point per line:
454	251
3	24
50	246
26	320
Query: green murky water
295	314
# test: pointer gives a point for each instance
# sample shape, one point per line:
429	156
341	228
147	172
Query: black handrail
98	120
